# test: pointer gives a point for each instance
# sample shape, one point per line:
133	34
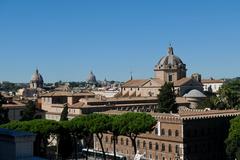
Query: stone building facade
188	135
53	103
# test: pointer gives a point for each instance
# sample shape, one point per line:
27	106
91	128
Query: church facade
170	68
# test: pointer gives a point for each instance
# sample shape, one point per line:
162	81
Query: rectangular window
170	78
177	149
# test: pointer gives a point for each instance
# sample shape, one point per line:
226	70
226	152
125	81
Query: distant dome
37	80
91	78
37	77
194	94
170	61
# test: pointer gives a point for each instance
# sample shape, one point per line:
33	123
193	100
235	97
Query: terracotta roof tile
135	83
182	81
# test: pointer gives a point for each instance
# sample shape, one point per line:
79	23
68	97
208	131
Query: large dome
91	78
37	77
170	61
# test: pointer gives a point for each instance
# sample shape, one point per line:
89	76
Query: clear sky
66	39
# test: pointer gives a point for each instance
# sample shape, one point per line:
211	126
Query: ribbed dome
37	77
91	78
170	61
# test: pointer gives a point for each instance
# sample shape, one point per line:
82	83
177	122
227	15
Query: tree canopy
228	97
229	94
167	99
41	127
134	124
130	124
233	140
29	113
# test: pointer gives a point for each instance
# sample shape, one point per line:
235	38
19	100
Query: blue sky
66	39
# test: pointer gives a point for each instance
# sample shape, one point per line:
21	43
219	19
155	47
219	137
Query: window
156	157
144	144
138	143
121	141
106	139
177	149
111	139
170	78
169	148
162	132
127	142
176	133
163	147
169	132
156	131
156	146
150	145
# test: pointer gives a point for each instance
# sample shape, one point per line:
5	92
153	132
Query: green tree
212	102
116	126
29	112
229	94
64	139
80	129
135	124
64	114
167	99
44	129
233	140
99	124
3	111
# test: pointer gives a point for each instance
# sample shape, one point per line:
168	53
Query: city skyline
65	41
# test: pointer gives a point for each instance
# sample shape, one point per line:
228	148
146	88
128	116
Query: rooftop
67	94
189	114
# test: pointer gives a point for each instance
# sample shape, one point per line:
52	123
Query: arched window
122	141
144	144
169	148
176	133
127	142
156	146
150	145
169	132
162	132
163	147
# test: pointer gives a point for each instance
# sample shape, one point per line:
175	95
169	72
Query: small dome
91	78
170	61
37	77
194	94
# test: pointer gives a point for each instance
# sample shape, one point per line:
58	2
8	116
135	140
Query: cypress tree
167	99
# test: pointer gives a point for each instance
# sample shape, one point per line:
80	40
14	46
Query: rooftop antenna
131	75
